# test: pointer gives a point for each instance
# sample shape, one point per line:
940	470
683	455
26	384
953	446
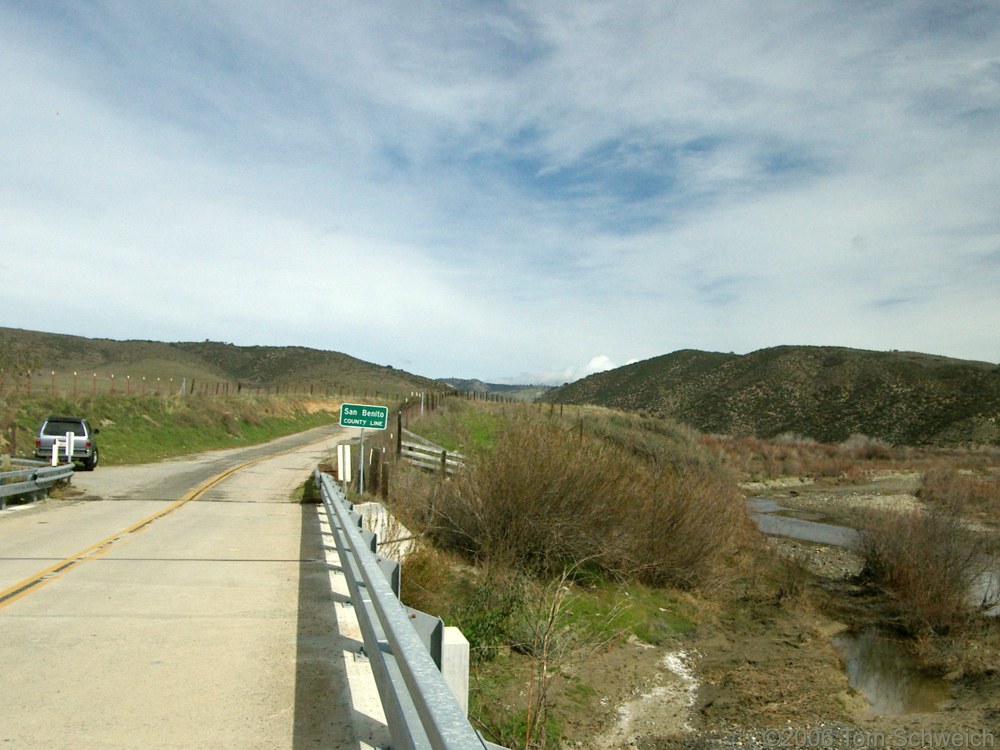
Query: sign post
363	415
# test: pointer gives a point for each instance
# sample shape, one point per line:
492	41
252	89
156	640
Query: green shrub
491	608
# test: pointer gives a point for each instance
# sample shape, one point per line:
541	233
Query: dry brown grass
855	458
426	578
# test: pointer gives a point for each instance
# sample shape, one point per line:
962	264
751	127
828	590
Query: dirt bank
764	672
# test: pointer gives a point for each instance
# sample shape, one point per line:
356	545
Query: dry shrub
544	499
425	579
927	561
865	448
540	497
961	492
680	526
786	455
790	454
771	575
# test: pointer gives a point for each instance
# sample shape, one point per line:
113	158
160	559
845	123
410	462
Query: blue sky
515	191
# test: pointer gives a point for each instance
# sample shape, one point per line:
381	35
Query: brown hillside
825	393
254	366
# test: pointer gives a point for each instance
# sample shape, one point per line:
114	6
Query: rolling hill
824	393
252	366
527	393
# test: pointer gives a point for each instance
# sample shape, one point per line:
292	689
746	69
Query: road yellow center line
39	579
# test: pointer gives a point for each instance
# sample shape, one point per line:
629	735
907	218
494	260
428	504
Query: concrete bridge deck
154	611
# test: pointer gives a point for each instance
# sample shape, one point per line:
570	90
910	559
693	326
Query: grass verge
143	429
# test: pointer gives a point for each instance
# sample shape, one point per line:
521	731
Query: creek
806	526
892	679
878	664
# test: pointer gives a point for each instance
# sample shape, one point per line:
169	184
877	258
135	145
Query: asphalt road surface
187	604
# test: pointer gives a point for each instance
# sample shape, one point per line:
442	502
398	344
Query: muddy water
879	666
986	589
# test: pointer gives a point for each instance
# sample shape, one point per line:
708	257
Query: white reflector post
343	463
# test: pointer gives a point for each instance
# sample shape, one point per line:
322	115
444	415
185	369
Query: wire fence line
77	384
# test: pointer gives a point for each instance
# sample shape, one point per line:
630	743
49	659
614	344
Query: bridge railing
421	711
34	478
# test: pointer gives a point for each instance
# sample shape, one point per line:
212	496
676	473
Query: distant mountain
825	393
514	392
255	366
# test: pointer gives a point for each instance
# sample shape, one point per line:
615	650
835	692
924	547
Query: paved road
171	621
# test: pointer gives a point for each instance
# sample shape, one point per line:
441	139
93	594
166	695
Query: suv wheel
90	463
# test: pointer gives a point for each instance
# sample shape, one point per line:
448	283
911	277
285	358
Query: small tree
554	644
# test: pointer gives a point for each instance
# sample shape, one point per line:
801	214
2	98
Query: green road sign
364	415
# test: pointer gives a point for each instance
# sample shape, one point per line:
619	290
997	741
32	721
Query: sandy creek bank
764	672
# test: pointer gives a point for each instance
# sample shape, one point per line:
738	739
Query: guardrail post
455	664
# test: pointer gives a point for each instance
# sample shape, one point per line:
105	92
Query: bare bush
543	499
427	578
536	499
679	526
962	492
927	561
865	448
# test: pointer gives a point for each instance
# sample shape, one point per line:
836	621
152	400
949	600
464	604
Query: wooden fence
424	454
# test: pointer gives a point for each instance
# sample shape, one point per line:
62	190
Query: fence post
444	463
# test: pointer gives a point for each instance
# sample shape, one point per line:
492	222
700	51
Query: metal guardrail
420	709
36	477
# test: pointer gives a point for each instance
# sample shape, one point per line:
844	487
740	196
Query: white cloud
482	190
599	363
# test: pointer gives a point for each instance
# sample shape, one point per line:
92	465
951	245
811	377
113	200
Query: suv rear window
61	428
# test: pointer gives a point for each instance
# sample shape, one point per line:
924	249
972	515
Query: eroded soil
763	672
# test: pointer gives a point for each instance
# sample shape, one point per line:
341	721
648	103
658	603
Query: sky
511	191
